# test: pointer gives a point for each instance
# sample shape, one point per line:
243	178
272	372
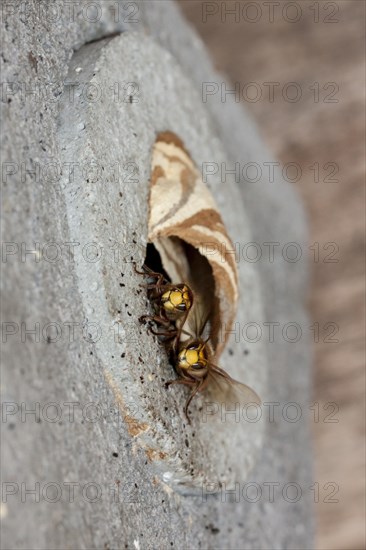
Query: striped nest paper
186	228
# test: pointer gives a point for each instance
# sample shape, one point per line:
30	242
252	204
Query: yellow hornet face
177	299
193	357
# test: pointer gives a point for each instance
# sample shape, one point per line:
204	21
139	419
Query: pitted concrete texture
107	450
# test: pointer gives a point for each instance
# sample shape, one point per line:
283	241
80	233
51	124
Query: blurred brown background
325	45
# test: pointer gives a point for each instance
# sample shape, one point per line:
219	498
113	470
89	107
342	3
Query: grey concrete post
97	454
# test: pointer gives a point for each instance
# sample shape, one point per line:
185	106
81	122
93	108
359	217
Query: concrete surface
132	462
